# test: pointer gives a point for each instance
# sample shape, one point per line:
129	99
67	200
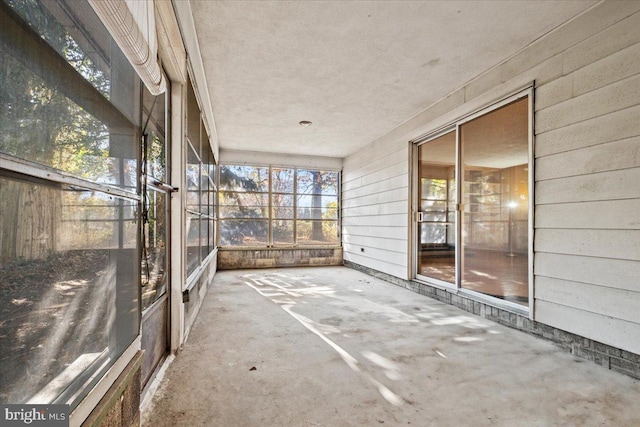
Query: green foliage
37	121
244	204
240	178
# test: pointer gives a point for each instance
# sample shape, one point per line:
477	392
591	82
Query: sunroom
483	154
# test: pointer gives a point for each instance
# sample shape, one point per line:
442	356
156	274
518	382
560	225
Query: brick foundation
234	259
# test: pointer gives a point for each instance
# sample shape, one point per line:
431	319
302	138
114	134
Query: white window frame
270	218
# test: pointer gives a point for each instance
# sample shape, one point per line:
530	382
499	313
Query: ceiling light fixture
305	123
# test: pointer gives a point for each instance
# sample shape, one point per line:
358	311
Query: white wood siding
588	190
375	208
587	174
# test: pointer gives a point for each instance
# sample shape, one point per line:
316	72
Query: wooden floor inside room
499	274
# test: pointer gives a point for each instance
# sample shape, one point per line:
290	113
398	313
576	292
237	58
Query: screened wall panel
72	106
264	206
154	256
68	287
155	198
69	254
201	188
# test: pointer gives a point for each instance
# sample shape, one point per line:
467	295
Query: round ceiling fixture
305	123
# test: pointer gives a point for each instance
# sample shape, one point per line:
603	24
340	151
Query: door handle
420	217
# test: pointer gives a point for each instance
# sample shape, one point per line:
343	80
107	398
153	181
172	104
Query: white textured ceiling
356	69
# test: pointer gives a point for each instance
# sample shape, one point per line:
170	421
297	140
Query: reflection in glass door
495	194
436	208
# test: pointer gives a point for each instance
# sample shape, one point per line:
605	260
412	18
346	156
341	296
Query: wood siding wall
375	191
587	261
587	167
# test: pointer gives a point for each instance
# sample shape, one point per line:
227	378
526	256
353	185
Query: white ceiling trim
184	16
259	158
172	53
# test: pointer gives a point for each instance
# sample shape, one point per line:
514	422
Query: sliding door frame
528	93
415	202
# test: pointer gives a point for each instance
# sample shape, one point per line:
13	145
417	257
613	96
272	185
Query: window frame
271	217
33	50
155	184
202	152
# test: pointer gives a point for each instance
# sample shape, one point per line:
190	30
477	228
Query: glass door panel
154	269
436	208
495	196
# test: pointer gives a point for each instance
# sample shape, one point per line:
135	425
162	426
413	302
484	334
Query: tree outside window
270	206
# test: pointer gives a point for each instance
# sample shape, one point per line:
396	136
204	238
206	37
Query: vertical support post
176	255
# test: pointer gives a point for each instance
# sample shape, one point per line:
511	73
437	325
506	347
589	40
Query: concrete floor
331	346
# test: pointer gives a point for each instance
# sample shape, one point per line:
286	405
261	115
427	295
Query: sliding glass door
474	234
436	226
495	194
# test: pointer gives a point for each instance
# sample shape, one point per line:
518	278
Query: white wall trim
256	158
171	50
146	405
177	225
